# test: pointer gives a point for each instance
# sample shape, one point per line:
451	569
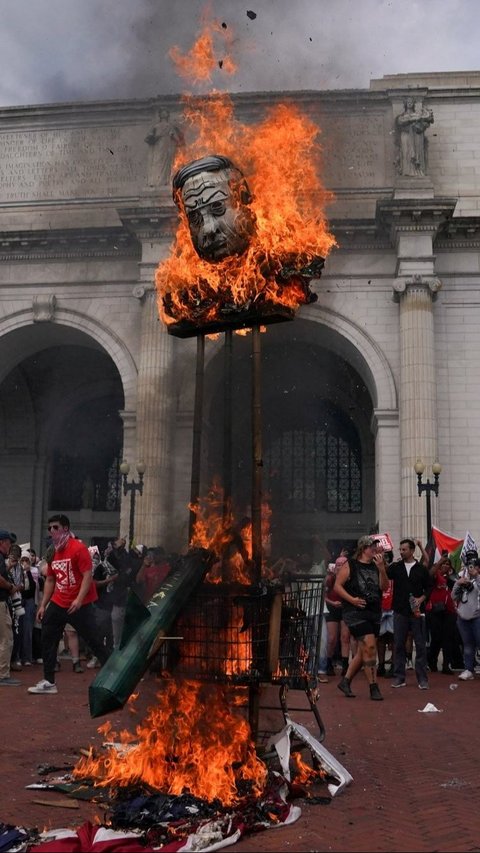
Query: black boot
375	693
344	686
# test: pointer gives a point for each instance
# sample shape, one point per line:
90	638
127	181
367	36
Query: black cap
4	534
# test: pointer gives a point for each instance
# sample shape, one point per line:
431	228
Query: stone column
385	428
152	224
417	394
153	417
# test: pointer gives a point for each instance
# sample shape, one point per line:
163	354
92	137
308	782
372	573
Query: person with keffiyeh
68	597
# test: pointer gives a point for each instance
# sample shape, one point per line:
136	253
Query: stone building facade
380	371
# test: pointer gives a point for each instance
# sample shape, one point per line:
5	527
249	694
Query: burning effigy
252	237
245	251
252	233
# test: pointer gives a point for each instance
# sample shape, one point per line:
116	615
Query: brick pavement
415	776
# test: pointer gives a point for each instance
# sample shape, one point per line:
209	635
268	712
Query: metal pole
197	433
429	511
257	461
132	512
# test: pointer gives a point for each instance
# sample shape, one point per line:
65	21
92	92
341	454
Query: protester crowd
70	600
378	610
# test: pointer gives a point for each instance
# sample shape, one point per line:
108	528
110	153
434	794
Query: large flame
216	530
190	742
281	159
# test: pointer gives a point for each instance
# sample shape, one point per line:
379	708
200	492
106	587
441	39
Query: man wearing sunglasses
68	596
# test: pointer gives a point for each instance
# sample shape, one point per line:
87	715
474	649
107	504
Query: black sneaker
344	686
375	693
398	682
77	667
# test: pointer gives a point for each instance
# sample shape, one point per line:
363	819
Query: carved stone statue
215	197
411	126
163	140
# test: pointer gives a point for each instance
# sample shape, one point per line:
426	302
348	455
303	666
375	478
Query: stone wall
82	225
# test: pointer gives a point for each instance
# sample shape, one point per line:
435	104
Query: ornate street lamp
428	487
133	487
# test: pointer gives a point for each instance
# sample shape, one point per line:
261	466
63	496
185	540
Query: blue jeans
469	630
401	626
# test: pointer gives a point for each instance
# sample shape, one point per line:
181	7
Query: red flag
443	542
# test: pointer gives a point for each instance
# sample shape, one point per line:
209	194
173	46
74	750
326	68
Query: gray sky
69	50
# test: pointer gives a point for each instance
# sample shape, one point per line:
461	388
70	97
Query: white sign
384	540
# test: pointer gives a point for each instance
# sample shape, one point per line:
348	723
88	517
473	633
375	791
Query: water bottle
414	606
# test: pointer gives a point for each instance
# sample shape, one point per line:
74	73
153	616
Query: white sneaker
466	675
92	663
43	686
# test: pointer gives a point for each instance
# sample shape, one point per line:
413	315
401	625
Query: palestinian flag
440	541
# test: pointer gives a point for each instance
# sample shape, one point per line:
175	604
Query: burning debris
192	728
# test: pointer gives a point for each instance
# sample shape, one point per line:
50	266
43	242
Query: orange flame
280	158
199	63
215	529
191	742
304	773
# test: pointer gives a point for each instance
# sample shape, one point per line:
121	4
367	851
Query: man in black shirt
411	587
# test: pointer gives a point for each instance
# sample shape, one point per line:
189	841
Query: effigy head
215	198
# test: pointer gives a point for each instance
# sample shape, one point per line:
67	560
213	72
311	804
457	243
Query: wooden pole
257	461
227	425
197	432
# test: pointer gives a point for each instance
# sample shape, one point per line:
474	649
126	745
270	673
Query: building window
77	485
314	470
88	476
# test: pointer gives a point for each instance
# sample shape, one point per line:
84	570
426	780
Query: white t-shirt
408	566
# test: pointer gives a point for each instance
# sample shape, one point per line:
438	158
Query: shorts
334	614
362	622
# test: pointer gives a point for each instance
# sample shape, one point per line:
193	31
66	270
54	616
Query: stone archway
62	369
364	363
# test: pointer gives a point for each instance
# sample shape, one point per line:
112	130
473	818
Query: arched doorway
318	448
61	435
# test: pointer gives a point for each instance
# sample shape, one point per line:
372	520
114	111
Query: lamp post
428	487
133	487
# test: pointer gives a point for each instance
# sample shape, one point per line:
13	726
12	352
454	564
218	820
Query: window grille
319	469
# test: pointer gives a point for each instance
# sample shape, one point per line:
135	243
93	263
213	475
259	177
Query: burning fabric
191	728
190	777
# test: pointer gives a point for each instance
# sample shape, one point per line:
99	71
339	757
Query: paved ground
416	781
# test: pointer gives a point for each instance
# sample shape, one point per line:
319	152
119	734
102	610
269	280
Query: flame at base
191	742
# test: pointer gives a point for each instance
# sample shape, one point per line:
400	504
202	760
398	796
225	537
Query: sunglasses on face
53	527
